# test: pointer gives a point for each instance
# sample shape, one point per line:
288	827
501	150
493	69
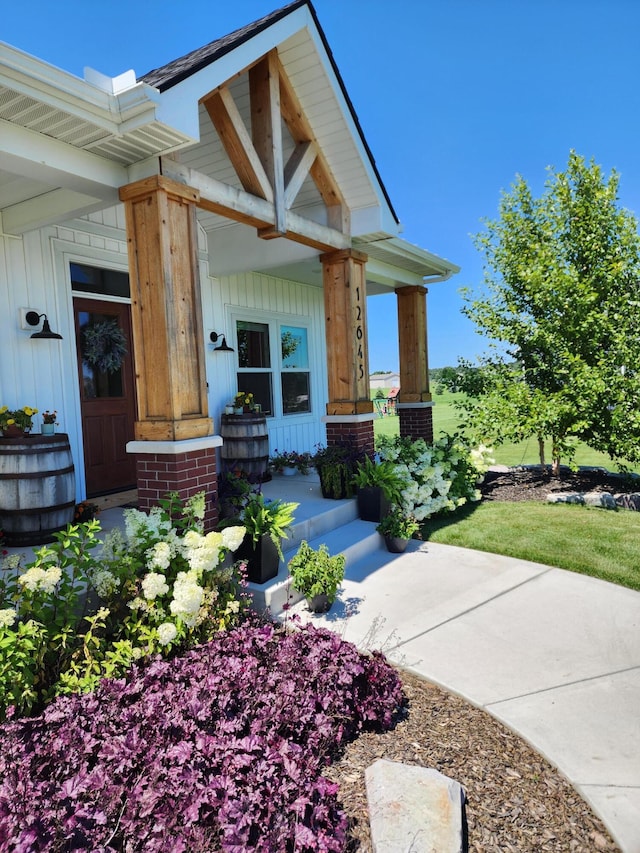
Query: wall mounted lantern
33	318
223	347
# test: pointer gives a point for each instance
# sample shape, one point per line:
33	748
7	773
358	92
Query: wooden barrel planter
245	445
37	488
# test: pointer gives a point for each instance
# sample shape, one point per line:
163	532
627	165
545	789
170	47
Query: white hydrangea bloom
191	539
232	537
7	617
105	583
114	544
32	578
159	556
197	505
167	632
187	598
51	578
153	585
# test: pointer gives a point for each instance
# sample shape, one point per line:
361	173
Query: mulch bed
516	801
534	484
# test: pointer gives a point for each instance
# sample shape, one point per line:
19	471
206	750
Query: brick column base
416	422
360	432
186	469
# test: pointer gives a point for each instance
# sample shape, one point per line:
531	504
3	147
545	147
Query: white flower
159	556
197	505
51	578
232	537
32	578
167	632
187	597
153	585
105	583
7	617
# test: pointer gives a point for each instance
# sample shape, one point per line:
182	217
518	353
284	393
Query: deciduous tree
561	302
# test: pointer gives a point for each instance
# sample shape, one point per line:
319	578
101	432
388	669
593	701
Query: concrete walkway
552	654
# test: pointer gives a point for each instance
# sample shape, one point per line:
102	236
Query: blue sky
455	98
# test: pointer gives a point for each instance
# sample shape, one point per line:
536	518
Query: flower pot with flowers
17	422
397	528
49	423
242	402
290	462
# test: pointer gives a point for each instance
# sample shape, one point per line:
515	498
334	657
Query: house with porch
215	225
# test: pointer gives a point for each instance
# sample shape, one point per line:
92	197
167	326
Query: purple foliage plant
221	749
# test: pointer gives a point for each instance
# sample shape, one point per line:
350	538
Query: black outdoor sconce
33	318
223	347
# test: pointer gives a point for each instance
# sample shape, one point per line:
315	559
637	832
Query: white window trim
274	321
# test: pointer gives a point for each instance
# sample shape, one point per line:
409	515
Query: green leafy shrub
316	572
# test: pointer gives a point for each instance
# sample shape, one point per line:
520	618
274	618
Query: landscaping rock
628	501
565	498
601	499
604	500
414	809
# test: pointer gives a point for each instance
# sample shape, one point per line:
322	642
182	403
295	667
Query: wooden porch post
349	410
174	444
414	403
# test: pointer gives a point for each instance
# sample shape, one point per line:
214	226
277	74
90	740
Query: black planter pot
372	503
395	545
262	558
319	603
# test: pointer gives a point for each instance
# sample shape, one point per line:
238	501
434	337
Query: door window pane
293	344
253	344
97	382
295	393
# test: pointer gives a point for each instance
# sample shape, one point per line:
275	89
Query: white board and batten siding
266	299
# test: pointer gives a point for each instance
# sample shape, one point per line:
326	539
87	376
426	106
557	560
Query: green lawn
597	542
601	543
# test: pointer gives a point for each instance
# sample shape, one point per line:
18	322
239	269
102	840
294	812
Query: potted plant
335	465
49	423
379	486
290	462
17	422
317	575
242	402
397	528
266	523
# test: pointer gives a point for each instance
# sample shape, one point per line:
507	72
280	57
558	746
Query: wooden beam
240	206
266	129
237	143
297	169
301	131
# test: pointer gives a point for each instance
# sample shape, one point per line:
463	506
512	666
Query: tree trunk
555	457
541	450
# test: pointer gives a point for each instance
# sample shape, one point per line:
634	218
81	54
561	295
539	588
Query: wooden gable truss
269	185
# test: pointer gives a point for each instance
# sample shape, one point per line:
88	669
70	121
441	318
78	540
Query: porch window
295	370
273	364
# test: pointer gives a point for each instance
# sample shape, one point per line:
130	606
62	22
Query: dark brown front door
107	393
